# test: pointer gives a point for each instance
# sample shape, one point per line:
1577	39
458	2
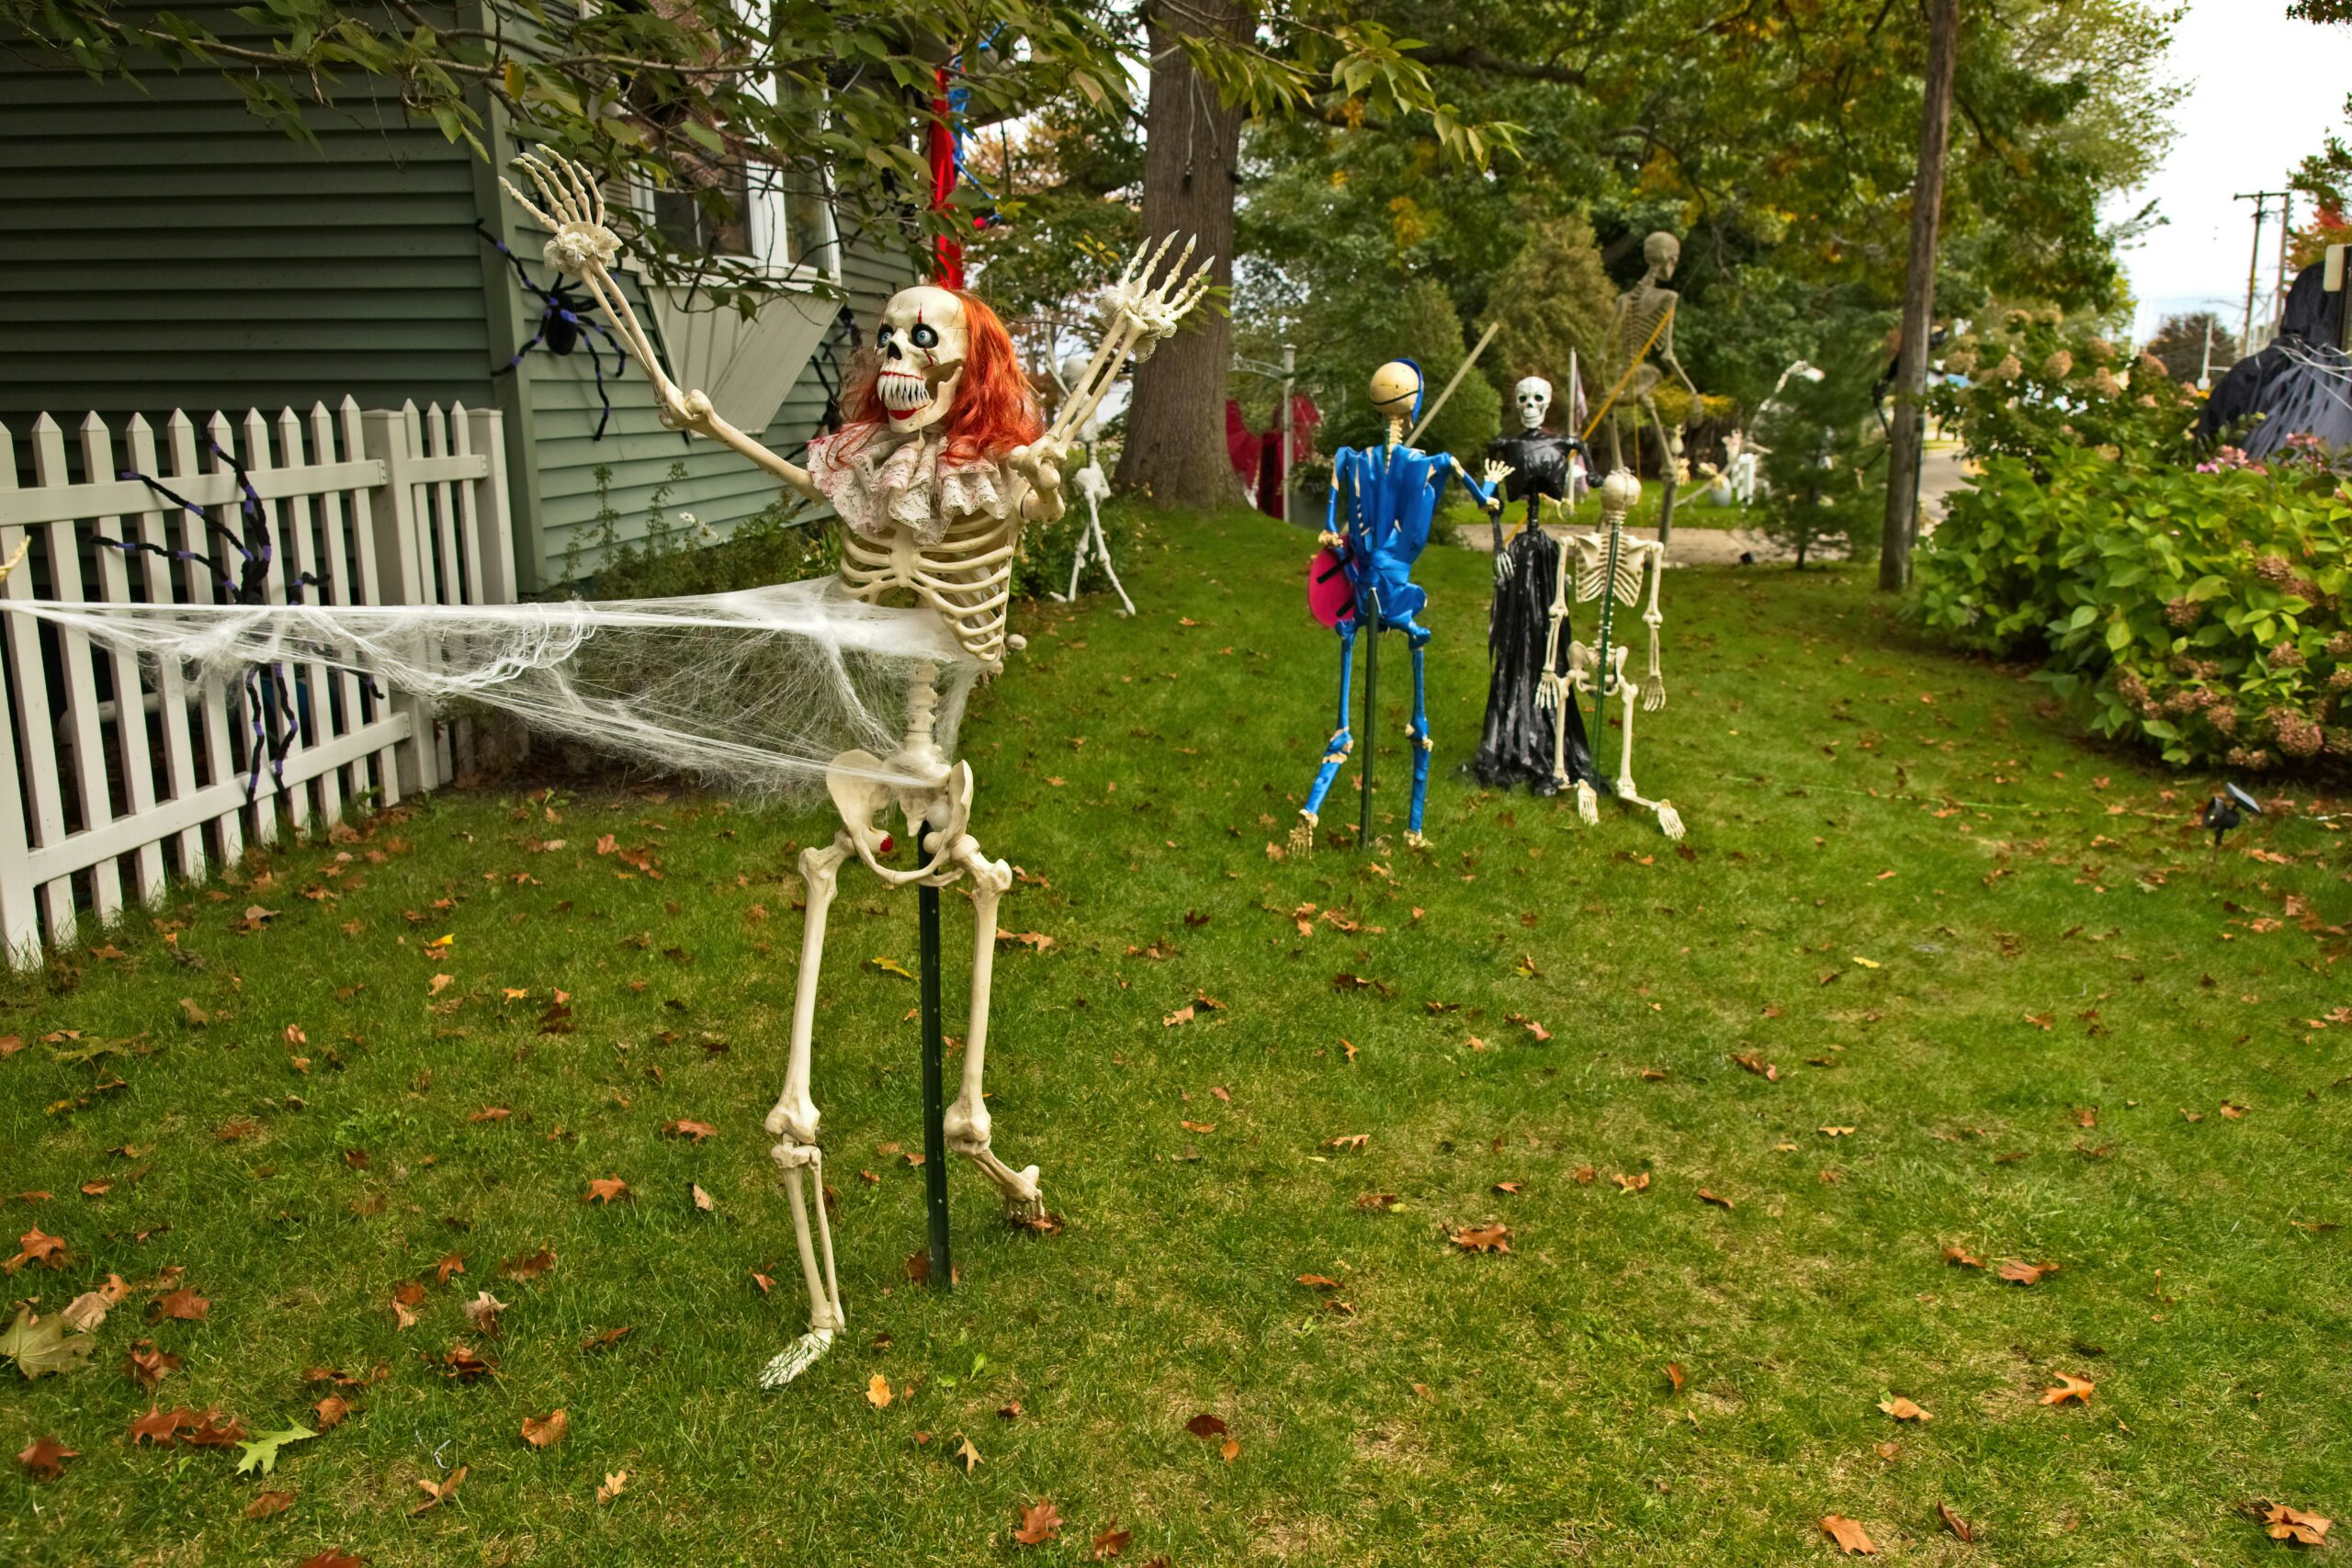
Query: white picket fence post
115	773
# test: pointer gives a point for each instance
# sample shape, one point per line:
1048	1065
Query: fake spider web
755	691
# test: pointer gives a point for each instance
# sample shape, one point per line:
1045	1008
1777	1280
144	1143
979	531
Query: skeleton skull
1534	397
1396	389
922	340
1663	252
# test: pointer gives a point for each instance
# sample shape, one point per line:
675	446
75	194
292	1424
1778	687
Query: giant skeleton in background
933	477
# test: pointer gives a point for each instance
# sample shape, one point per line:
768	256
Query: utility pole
1904	444
1290	427
2261	199
2205	371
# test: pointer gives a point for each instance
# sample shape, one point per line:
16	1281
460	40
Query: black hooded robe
1515	746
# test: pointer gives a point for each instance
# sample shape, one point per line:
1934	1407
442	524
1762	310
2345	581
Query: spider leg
597	360
254	746
521	352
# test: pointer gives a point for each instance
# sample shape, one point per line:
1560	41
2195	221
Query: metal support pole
1290	429
1371	731
935	1096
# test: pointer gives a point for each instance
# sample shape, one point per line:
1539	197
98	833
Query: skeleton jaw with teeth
922	341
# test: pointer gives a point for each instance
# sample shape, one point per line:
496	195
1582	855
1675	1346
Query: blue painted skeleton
1390	494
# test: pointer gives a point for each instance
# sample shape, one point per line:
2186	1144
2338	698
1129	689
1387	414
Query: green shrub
1825	449
677	555
2200	612
1042	565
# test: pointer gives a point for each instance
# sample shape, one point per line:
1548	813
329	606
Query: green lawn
2011	1002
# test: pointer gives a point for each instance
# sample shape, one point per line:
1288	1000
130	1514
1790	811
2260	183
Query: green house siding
162	249
167	250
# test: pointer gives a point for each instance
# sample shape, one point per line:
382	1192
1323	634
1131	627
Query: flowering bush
2079	393
2203	611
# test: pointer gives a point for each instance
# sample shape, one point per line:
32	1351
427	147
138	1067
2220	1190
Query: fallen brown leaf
1851	1538
1039	1524
1493	1238
44	1458
270	1502
1954	1523
1903	1409
2020	1272
545	1431
2293	1524
437	1492
2069	1387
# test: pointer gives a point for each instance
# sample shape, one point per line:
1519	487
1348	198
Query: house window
685	219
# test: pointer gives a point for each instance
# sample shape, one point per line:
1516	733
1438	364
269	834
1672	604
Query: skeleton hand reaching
1042	461
1494	474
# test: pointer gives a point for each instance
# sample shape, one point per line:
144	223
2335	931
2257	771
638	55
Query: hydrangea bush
2197	608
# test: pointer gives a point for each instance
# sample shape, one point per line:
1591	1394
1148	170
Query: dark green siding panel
163	249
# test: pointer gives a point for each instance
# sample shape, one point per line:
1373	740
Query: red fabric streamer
947	257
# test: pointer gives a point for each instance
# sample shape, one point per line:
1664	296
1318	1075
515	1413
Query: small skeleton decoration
15	560
1095	486
1361	575
1644	327
1607	568
1519	742
941	463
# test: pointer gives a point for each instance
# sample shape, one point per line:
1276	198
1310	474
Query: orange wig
995	408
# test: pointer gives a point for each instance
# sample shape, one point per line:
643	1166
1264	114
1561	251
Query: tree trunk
1175	451
1919	302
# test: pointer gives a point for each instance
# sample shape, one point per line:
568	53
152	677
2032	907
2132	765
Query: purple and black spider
276	726
564	325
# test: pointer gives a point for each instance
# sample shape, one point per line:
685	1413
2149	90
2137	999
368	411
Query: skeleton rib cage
966	578
1591	555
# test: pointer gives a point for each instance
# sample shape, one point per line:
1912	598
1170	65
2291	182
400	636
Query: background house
161	249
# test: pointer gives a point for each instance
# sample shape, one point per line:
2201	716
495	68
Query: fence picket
394	511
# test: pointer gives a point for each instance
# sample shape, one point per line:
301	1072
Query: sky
2267	90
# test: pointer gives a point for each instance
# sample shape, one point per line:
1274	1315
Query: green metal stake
1371	731
934	1096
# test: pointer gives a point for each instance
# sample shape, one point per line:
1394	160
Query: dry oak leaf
1632	1183
2020	1272
878	1392
969	1455
1493	1238
603	1190
598	1341
1707	1197
44	1458
1837	1132
1318	1281
49	1251
545	1431
1963	1258
437	1492
208	1431
462	1363
1954	1523
703	1200
1110	1542
615	1482
1205	1426
482	1313
1675	1375
157	1426
1182	1015
528	1267
183	1303
2292	1524
1376	1201
1231	1450
331	1410
453	1264
1903	1409
1039	1524
1758	1066
147	1366
1851	1538
683	1128
2069	1387
270	1502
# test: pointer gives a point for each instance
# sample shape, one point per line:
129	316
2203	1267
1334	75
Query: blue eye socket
882	336
923	336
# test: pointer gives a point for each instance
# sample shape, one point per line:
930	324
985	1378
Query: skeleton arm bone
583	246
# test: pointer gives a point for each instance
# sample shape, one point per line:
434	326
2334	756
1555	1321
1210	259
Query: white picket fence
116	777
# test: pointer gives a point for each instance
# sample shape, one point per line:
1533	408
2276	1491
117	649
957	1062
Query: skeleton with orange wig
942	461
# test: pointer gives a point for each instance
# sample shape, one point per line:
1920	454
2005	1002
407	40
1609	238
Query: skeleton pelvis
866	789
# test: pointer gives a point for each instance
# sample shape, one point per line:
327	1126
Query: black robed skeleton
1515	746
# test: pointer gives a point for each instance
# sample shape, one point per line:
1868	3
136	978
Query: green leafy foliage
260	1454
1043	566
2198	612
41	1347
671	554
1825	458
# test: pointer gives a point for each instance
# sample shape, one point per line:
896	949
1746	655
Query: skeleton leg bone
1419	733
794	1121
1670	821
1301	836
967	1120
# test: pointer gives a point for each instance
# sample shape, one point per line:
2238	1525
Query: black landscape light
2226	810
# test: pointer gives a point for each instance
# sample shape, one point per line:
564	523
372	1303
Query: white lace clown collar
884	481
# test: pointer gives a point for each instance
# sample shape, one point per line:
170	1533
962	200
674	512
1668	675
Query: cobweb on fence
754	691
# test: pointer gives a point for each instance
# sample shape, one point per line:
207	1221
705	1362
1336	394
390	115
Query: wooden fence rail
117	775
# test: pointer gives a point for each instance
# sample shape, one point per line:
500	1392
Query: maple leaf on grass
453	1264
1110	1542
261	1452
545	1431
1040	1523
1205	1426
147	1366
437	1492
878	1392
157	1426
1960	1256
2069	1387
2284	1523
969	1456
482	1313
2018	1272
41	1347
530	1266
1318	1281
331	1410
683	1128
615	1483
44	1458
603	1190
1954	1523
1492	1238
183	1303
1903	1409
599	1341
208	1430
269	1503
1851	1538
49	1251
